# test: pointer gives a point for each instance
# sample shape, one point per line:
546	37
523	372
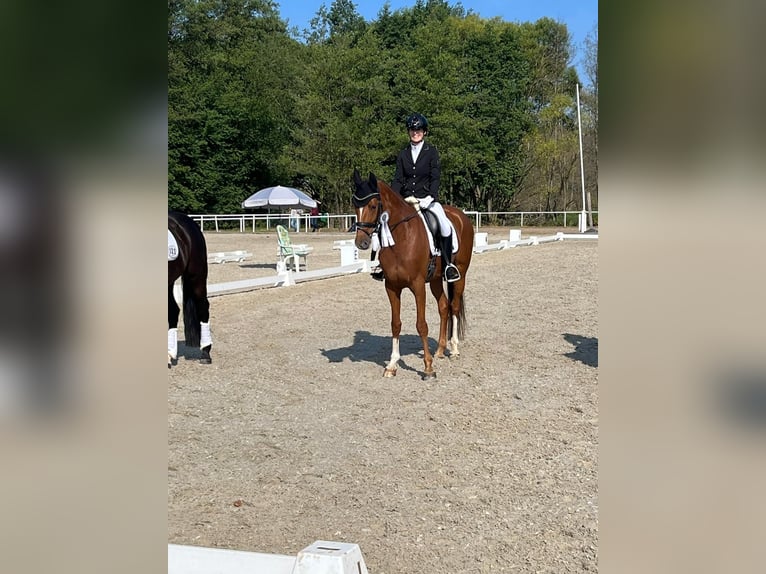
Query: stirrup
377	273
451	273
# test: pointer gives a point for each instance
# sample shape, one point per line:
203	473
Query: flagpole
582	170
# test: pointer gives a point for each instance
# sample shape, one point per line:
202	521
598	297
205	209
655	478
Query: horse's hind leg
437	289
203	313
422	327
173	312
457	316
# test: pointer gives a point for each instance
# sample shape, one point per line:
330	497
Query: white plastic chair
288	252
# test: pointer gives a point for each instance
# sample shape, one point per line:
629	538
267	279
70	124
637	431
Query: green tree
231	66
551	145
250	106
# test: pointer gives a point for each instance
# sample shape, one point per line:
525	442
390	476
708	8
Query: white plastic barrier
322	557
200	560
224	256
532	240
285	278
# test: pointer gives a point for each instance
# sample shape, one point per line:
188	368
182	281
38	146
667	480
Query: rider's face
416	136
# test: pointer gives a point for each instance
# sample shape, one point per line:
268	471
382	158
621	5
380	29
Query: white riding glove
426	201
414	201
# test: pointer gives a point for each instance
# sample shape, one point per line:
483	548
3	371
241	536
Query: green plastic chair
288	252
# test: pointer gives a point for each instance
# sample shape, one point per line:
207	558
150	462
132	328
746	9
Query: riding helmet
417	122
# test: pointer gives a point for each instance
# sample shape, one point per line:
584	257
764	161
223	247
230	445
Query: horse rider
417	175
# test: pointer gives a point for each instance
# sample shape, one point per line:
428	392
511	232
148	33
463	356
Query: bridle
374	226
370	227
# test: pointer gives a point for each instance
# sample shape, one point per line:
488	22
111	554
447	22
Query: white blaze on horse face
394	354
359	211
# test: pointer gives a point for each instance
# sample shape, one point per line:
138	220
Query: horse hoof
206	360
388	373
427	376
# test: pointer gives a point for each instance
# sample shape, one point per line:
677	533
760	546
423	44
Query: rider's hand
414	201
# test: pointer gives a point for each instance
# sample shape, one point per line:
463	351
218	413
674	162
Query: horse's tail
192	330
462	323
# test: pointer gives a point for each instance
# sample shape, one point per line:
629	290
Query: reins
392	227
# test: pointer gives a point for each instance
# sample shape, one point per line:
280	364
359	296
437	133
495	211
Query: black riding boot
377	275
451	273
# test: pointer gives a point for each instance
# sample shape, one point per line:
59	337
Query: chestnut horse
405	263
191	266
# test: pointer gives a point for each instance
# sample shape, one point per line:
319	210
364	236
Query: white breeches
437	209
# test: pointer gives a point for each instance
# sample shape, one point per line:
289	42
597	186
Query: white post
583	224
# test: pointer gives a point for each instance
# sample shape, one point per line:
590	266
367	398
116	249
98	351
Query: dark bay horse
191	267
406	264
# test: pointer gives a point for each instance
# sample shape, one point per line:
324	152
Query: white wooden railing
343	222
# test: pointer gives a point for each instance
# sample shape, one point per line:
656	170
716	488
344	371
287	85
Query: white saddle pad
435	250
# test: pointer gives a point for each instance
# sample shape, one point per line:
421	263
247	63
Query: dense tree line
253	104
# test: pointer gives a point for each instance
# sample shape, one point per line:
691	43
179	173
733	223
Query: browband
359	201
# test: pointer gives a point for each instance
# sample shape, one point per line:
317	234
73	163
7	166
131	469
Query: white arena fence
250	221
351	264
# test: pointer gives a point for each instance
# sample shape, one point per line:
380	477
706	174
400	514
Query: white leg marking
173	343
394	354
205	339
454	340
178	294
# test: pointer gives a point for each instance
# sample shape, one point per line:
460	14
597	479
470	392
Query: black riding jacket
420	178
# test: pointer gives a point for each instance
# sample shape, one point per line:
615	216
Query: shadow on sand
376	349
585	349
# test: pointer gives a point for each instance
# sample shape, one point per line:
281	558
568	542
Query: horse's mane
383	186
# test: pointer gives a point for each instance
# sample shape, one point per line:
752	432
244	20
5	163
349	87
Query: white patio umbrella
279	197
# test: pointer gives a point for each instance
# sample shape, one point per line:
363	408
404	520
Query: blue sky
580	16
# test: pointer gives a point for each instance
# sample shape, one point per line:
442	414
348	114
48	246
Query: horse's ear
373	181
357	176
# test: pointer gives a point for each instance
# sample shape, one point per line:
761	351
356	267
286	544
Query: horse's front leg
395	299
420	301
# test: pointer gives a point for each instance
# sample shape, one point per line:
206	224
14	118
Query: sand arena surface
292	435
